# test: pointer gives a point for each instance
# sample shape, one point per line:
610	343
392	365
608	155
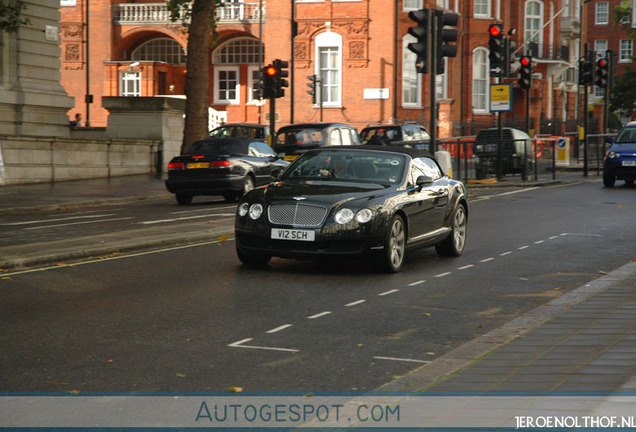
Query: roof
225	145
413	153
313	125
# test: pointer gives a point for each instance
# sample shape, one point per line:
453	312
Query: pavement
584	341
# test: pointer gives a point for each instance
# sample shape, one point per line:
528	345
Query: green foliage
622	15
10	15
623	94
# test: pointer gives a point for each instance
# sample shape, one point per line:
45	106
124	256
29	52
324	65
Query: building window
481	8
411	80
534	25
227	85
237	51
130	83
160	50
413	4
600	48
480	80
602	13
254	77
626	51
329	67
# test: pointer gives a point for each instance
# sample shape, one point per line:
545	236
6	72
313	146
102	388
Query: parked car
620	158
241	130
361	201
516	152
407	135
222	166
296	139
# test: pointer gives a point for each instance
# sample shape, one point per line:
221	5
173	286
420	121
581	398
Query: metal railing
157	13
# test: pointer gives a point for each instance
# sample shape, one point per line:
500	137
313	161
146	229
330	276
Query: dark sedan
354	202
229	167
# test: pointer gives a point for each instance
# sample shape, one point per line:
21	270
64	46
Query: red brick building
357	47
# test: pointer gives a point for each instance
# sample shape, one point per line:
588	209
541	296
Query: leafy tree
10	15
623	94
199	18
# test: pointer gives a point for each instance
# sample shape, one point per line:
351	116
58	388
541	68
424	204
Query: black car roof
314	125
235	145
413	153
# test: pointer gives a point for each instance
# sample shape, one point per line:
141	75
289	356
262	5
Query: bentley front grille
306	215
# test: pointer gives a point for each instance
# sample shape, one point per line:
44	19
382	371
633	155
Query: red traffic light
270	70
602	62
525	61
495	30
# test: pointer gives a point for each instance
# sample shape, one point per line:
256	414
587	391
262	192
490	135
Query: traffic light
281	73
601	73
445	36
421	32
510	58
314	85
268	79
586	73
525	79
496	45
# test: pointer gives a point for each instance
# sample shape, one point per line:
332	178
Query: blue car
620	159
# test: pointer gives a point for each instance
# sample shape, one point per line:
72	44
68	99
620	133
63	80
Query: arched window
534	27
239	51
161	50
480	80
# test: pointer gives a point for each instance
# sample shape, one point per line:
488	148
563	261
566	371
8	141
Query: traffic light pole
434	22
585	121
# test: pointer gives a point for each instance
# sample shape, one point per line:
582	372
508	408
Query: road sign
500	97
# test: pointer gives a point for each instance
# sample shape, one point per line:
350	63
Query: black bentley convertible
352	202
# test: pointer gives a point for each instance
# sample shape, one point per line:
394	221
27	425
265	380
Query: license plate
629	163
198	165
293	234
290	158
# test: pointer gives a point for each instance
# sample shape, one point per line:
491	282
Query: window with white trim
534	25
413	4
626	51
329	67
239	51
411	80
482	8
161	50
600	48
227	89
480	80
601	13
130	83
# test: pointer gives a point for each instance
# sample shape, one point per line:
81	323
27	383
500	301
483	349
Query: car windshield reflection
351	166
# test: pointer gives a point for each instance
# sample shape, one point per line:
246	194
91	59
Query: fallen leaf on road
235	389
180	375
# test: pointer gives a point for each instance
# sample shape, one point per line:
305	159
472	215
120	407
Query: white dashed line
505	253
357	302
318	315
388	292
524	247
240	343
442	274
486	260
466	267
539	242
400	359
417	283
279	328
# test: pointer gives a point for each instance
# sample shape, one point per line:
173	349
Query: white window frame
411	80
601	13
409	5
253	74
480	74
217	88
626	51
479	6
130	77
537	31
330	77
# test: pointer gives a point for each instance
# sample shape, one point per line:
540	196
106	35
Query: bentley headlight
344	216
243	209
256	210
364	215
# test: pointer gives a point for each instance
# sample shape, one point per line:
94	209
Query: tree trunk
197	79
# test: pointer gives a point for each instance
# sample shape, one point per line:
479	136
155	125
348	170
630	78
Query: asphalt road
193	319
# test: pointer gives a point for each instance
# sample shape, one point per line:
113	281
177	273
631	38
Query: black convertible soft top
413	153
221	146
